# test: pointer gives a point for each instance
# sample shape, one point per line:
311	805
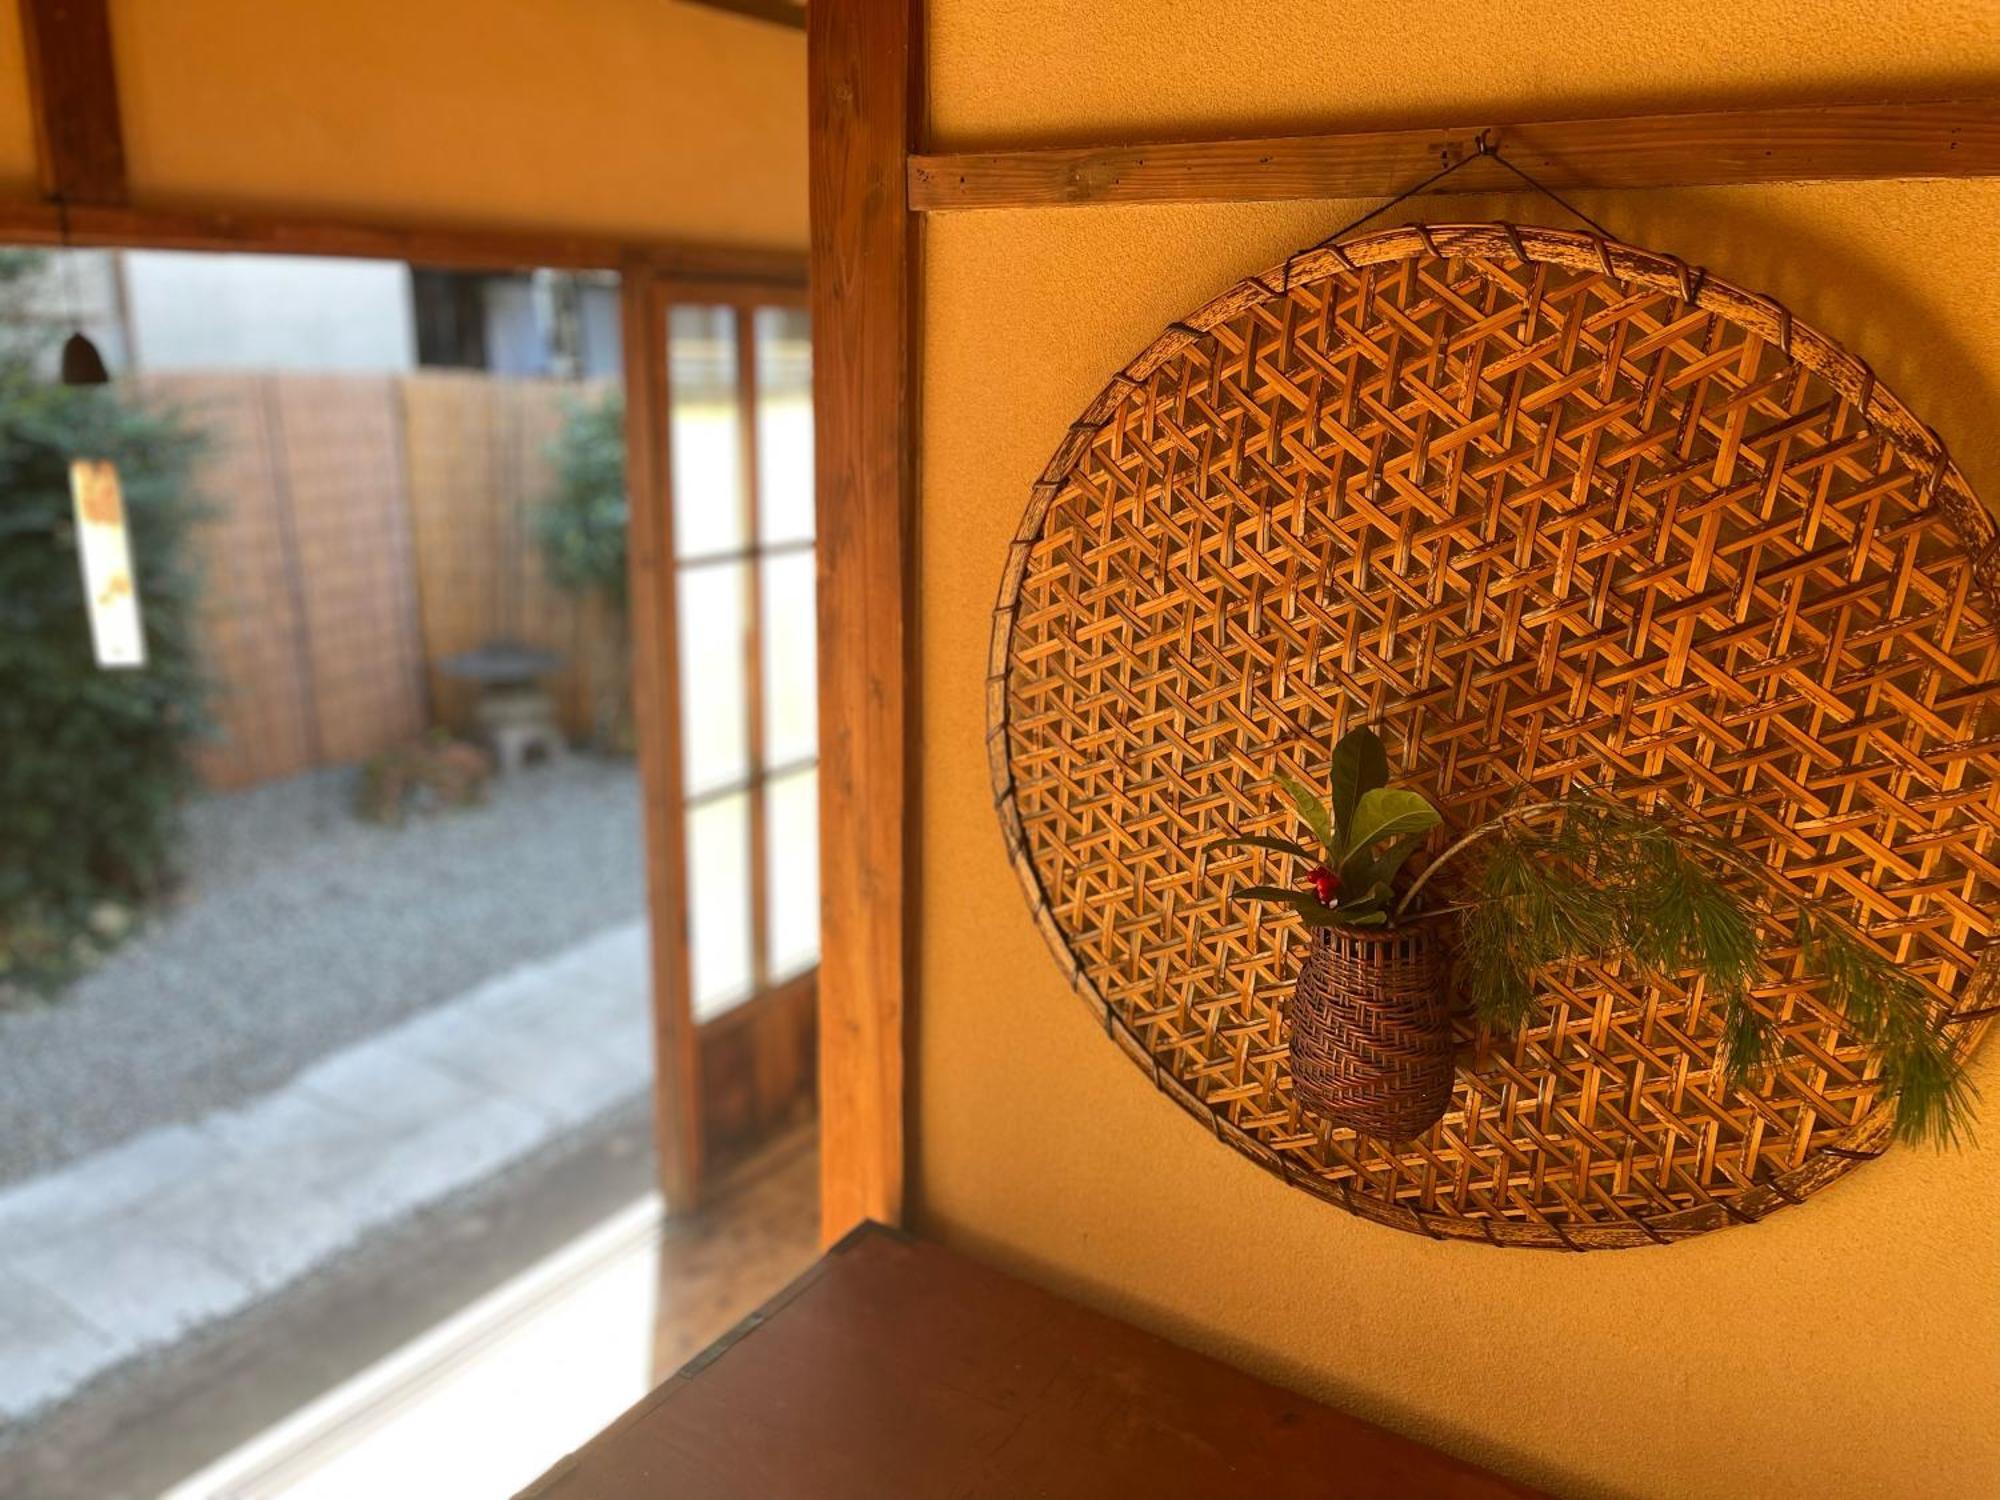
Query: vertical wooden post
656	712
864	95
74	93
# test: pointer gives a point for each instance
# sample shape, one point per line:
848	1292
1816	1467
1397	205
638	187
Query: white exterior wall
194	310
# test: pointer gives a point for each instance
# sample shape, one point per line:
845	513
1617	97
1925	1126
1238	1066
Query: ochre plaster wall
643	117
17	131
1025	70
1849	1347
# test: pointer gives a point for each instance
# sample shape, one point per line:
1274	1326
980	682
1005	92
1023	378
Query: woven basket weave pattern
1545	511
1370	1030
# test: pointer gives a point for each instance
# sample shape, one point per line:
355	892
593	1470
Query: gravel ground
302	930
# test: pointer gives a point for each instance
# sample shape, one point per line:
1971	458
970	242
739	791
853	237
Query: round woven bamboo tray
1545	510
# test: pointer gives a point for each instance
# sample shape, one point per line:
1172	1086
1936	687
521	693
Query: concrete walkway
301	930
128	1249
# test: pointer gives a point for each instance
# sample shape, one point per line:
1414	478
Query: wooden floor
760	1230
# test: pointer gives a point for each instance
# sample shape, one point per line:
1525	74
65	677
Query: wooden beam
656	716
1827	142
862	89
459	247
73	93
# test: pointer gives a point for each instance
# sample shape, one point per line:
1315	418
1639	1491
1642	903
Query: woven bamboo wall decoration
1545	510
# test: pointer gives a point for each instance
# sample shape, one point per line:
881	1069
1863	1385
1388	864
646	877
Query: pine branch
1603	881
1533	906
1748	1039
1890	1010
1680	916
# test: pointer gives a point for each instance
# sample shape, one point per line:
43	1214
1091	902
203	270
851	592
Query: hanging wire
70	298
1547	192
1408	193
82	364
1483	149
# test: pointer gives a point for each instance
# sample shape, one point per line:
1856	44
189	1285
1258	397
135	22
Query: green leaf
1386	813
1373	901
1260	841
1362	869
1306	800
1308	907
1267	893
1890	1009
1393	857
1360	765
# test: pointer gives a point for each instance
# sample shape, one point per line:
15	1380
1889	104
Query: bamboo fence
360	529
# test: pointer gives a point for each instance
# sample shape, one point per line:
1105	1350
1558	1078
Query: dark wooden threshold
897	1367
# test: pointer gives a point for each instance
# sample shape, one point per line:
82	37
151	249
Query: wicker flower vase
1371	1029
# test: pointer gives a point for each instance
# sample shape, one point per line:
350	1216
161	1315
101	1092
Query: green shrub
93	764
581	528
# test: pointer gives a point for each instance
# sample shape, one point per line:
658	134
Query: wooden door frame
729	270
656	713
683	1044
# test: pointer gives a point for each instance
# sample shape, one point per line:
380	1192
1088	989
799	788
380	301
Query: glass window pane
784	424
715	735
718	840
705	434
792	834
791	697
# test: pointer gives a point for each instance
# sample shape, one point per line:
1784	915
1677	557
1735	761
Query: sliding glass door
735	578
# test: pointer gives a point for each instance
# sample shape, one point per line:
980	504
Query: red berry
1325	884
